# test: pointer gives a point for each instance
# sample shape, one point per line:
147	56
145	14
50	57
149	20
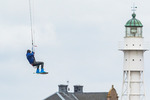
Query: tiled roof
79	96
53	97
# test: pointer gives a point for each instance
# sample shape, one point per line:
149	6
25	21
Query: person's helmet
28	51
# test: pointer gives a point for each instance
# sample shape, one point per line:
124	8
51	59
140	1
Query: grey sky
77	40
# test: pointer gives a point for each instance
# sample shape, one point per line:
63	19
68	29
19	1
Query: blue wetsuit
33	62
30	57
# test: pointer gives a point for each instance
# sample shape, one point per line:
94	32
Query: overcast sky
77	39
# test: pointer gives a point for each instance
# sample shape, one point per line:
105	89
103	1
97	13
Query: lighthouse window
127	32
139	32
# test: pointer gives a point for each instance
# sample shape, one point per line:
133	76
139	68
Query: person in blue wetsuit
33	62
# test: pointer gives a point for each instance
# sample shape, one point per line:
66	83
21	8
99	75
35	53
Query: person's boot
42	70
37	70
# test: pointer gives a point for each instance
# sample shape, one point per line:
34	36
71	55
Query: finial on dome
133	15
134	9
112	86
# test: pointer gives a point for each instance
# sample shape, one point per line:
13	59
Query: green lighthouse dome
133	22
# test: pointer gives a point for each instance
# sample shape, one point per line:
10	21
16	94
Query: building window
132	59
140	45
126	44
140	59
133	44
126	59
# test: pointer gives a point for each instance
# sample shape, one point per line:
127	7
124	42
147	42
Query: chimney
78	89
63	88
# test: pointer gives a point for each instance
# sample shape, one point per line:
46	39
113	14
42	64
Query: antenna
134	8
68	85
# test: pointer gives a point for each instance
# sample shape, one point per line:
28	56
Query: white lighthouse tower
133	68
